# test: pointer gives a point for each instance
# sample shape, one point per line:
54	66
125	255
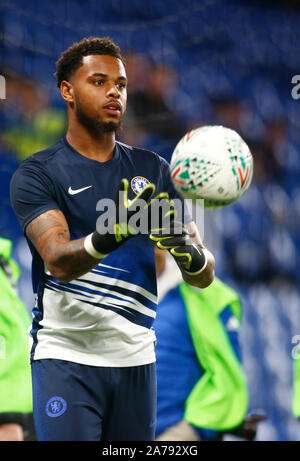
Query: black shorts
87	403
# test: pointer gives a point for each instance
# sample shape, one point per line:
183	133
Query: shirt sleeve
31	193
180	204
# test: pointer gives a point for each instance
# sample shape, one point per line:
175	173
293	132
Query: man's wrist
99	245
90	248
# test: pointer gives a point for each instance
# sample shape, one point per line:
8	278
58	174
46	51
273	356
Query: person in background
152	120
151	107
15	375
201	387
29	123
296	388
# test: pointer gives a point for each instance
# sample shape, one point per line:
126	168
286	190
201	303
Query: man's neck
100	148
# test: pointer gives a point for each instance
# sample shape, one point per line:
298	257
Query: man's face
100	93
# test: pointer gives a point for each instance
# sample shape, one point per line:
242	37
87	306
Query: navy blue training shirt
104	317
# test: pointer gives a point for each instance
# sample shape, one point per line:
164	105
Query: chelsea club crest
138	183
56	406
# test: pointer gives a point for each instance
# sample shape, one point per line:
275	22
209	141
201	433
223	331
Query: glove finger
173	242
122	193
161	196
174	228
183	255
169	216
161	210
182	239
191	256
146	193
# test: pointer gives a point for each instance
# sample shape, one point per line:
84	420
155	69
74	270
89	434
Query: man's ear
67	91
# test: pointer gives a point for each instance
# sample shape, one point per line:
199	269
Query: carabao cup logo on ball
56	406
138	183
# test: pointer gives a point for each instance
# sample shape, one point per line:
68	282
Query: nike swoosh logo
76	191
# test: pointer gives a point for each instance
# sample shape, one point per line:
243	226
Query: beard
94	126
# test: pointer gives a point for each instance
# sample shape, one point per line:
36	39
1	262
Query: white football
212	163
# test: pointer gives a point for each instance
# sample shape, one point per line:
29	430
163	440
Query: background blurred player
202	389
92	322
296	388
15	375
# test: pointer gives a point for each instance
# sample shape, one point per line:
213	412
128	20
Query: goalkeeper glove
188	255
118	228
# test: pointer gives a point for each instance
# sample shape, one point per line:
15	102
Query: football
212	163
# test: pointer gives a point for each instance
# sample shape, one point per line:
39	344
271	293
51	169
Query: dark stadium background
189	63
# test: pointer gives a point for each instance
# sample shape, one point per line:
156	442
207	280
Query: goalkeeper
15	376
94	274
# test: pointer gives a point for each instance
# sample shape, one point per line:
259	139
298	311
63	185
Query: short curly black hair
71	59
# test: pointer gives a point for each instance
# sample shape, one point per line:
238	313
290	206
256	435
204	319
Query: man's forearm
70	260
206	277
66	259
